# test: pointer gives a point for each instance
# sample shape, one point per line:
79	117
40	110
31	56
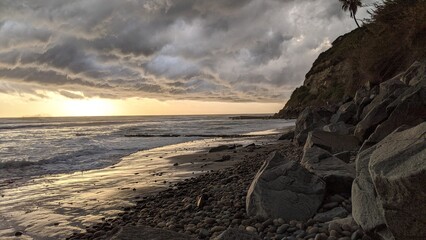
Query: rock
225	158
203	233
236	234
345	113
287	136
310	119
365	209
217	229
361	94
373	118
415	74
282	229
251	229
398	171
18	234
284	189
130	232
344	156
337	174
408	109
388	87
201	200
339	128
338	212
332	142
219	148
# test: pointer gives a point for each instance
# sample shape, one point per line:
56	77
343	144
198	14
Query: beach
57	205
203	206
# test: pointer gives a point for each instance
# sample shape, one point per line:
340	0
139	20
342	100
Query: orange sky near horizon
56	105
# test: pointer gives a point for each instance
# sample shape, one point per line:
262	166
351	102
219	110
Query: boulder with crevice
284	189
337	174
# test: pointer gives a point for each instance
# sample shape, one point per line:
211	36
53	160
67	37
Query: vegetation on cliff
390	41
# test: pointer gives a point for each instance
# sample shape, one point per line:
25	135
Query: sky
149	57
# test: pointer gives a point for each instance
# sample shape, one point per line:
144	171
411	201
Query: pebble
321	236
313	230
251	229
356	235
18	234
282	229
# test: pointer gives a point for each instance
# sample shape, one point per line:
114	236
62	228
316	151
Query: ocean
40	146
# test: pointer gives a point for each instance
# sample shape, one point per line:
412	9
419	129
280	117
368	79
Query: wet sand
55	206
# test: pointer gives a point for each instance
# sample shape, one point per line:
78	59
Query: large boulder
337	174
366	210
388	91
345	113
373	118
339	128
310	119
284	189
408	109
398	171
332	142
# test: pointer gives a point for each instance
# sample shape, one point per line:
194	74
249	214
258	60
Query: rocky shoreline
205	206
355	171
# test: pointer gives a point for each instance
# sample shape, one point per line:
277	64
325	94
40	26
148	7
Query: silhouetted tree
352	7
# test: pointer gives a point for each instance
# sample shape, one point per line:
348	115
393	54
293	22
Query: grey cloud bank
246	50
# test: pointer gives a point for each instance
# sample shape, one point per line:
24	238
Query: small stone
334	233
344	238
334	226
218	229
347	227
204	233
282	229
176	164
18	234
321	236
313	230
356	235
251	229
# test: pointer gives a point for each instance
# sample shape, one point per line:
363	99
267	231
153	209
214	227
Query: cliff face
334	75
386	45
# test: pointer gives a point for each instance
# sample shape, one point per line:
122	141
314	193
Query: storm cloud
243	50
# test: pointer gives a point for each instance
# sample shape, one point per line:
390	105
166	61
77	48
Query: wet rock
219	148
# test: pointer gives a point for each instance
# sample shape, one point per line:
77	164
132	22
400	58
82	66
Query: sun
88	107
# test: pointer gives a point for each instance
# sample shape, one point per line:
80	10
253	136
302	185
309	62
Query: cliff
385	46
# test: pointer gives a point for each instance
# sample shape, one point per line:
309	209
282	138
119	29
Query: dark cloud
243	50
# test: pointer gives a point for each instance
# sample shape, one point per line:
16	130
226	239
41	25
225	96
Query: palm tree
352	6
